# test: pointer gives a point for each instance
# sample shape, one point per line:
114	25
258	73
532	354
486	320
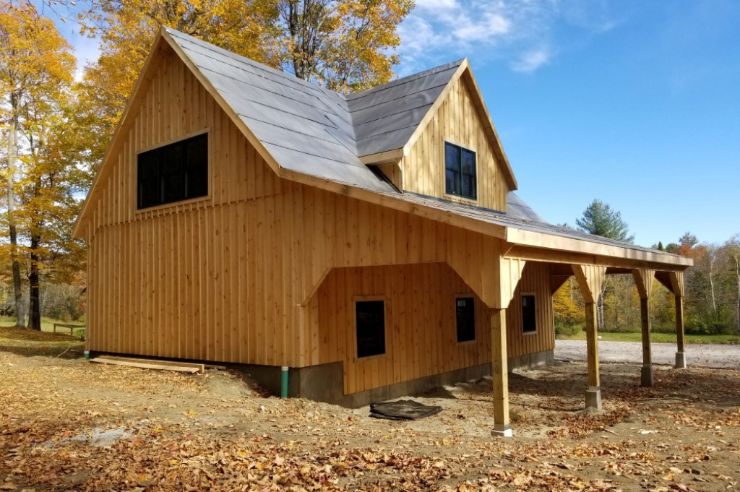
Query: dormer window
460	172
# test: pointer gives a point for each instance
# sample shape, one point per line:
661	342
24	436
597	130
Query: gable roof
315	136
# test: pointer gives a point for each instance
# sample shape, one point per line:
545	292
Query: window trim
357	299
536	327
475	328
444	171
187	201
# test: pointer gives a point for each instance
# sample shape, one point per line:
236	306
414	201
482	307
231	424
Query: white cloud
531	60
521	33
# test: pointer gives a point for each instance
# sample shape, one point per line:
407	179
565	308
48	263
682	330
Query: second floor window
172	173
460	171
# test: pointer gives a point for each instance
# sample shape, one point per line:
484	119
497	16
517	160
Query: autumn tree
37	73
344	44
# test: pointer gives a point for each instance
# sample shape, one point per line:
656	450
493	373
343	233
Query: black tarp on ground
402	410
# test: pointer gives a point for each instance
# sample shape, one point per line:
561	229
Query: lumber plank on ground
163	365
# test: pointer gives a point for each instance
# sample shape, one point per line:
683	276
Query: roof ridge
403	80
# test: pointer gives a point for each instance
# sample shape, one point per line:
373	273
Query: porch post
680	353
590	280
593	390
644	282
500	374
676	279
646	375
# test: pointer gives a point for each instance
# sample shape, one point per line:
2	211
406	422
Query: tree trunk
737	298
12	230
34	311
711	284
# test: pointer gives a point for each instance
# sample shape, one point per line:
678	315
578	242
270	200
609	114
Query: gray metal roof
312	130
318	132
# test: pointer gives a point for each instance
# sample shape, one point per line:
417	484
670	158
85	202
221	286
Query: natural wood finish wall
233	277
535	280
420	322
457	121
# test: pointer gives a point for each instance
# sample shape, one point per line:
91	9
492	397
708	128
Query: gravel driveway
704	355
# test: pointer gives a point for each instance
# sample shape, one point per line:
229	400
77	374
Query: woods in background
712	303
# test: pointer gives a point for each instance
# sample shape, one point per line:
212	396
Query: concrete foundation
680	360
647	375
593	399
326	382
502	431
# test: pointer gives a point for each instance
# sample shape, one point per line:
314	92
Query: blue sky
636	103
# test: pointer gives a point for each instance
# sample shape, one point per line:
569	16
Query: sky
636	103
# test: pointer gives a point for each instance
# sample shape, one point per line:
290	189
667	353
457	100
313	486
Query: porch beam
590	280
500	374
644	281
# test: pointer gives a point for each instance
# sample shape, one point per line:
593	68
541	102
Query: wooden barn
371	243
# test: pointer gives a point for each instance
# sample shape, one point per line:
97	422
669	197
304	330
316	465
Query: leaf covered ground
68	424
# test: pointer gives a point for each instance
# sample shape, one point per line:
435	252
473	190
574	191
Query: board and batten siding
457	121
420	325
233	277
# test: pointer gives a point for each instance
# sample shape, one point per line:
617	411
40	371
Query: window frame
207	196
461	148
536	328
475	330
384	300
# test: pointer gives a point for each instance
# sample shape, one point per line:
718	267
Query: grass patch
23	341
656	337
47	325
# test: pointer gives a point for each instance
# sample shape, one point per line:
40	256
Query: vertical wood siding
535	280
457	121
421	337
233	277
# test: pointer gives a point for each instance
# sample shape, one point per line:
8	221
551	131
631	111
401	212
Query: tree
600	220
344	44
37	72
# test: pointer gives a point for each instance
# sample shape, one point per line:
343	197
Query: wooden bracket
644	281
590	280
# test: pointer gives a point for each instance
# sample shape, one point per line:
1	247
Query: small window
172	173
460	171
529	311
465	314
370	319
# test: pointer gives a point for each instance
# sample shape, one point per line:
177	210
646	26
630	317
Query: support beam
677	286
590	280
500	374
644	282
593	390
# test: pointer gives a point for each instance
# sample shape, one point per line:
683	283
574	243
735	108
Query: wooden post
680	351
677	286
590	279
593	390
500	374
644	282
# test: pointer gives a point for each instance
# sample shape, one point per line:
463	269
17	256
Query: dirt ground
67	424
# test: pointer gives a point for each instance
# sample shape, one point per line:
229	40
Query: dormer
431	134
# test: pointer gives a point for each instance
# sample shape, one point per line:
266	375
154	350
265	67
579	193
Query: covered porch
590	272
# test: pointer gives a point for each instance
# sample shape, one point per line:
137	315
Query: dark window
460	171
529	310
370	317
465	313
175	172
